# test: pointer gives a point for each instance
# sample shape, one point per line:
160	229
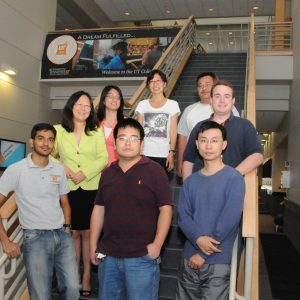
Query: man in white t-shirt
195	113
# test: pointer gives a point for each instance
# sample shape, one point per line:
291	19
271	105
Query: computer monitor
11	152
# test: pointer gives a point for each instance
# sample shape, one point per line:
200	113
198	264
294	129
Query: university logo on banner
96	54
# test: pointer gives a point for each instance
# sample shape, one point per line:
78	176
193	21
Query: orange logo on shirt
55	178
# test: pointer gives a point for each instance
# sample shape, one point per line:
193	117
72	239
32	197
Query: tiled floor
265	226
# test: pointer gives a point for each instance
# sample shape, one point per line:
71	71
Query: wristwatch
66	226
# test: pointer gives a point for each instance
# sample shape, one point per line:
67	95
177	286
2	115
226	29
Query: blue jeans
44	250
128	278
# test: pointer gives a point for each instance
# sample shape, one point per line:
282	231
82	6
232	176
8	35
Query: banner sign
127	53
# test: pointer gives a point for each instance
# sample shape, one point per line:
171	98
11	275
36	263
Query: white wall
274	67
23	100
61	91
294	130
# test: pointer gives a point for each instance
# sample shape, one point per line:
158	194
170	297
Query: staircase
229	66
226	66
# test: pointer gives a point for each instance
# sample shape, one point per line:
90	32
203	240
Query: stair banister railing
249	278
250	215
11	267
171	62
274	37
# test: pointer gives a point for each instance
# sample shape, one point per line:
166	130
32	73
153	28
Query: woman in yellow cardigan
80	146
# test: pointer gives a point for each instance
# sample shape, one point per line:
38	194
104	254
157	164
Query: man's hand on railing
11	249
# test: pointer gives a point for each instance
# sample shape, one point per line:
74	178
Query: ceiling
85	14
76	14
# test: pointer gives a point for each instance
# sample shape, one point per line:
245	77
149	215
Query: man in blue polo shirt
244	151
41	189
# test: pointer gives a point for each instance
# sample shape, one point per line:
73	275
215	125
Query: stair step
167	286
171	258
175	239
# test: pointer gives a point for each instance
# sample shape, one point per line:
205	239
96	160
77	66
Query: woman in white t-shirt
159	116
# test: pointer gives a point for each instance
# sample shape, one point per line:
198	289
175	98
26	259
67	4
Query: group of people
104	195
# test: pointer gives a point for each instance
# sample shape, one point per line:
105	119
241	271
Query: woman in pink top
110	112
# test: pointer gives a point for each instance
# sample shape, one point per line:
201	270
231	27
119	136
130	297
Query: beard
41	153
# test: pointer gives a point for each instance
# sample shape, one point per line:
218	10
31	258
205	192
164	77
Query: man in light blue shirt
41	189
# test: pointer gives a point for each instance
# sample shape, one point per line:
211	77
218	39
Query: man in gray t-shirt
41	189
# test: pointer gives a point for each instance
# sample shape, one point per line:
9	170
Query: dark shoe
85	293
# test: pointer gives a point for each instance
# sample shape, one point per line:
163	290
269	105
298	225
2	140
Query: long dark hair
67	115
102	109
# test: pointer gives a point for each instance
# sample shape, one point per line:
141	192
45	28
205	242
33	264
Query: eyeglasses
83	106
212	141
131	138
111	97
156	81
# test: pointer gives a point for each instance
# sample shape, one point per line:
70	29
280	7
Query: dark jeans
210	282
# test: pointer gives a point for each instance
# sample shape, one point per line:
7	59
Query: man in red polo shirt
133	212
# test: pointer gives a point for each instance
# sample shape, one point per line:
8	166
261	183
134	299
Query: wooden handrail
173	81
141	89
8	208
160	62
250	211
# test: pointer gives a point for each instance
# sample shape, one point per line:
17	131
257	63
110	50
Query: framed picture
11	152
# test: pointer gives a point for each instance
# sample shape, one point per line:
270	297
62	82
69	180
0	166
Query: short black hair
204	74
101	113
129	122
212	125
152	73
42	127
120	46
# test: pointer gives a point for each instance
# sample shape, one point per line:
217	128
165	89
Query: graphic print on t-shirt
156	124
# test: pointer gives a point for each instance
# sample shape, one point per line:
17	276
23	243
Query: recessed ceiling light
231	43
255	7
10	72
211	9
8	69
210	43
127	13
207	33
230	33
168	11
